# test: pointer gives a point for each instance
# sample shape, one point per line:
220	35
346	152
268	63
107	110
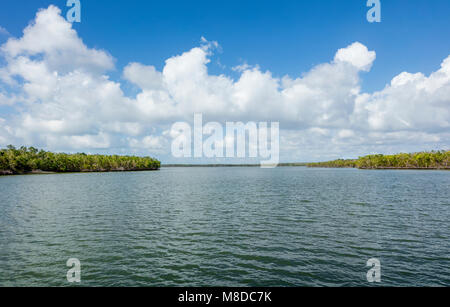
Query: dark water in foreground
226	227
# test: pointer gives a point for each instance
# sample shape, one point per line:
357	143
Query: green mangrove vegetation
419	160
31	160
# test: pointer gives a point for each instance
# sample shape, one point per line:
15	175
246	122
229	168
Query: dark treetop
419	160
31	160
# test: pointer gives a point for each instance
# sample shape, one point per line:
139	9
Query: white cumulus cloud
63	99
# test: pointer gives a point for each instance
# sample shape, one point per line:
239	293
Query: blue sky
283	37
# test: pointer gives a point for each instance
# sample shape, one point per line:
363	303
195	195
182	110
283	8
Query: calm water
226	227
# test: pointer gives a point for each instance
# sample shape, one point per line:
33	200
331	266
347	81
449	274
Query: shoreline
297	165
39	172
387	168
4	173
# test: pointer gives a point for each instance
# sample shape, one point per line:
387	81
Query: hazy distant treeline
419	160
26	160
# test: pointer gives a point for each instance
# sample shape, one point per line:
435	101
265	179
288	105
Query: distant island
231	165
433	160
33	161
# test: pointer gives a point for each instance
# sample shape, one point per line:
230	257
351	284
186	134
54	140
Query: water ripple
226	227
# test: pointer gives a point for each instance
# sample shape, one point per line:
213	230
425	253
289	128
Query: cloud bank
55	93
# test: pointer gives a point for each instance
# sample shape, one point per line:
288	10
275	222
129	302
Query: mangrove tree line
26	160
419	160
